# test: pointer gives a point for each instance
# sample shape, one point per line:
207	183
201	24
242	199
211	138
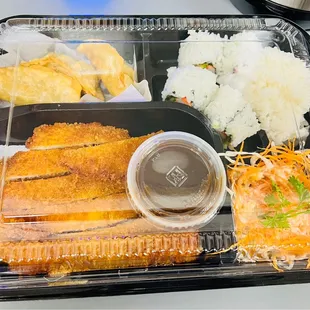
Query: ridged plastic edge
63	23
135	24
296	38
187	244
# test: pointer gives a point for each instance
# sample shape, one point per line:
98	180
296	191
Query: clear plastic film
166	143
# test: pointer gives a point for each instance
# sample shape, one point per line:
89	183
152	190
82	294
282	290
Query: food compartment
45	69
83	211
176	53
218	73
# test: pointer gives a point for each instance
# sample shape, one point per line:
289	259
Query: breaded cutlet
35	164
62	135
61	189
108	161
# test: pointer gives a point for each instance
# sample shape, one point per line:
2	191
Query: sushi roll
223	109
232	116
243	126
242	50
201	49
190	85
235	80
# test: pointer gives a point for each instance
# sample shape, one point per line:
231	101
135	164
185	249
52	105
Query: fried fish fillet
35	164
62	135
84	73
60	189
76	255
37	84
115	74
108	161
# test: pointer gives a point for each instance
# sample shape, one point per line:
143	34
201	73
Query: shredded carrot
185	101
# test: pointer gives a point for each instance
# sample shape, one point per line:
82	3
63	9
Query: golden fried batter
60	189
115	74
62	135
37	84
84	73
76	255
107	161
35	164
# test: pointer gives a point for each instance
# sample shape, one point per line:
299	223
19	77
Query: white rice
243	126
196	84
240	51
200	47
278	91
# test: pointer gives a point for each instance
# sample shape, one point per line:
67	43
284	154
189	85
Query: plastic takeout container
176	180
68	227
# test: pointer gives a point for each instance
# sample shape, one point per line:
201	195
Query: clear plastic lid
176	180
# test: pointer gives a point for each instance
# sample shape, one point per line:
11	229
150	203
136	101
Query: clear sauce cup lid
176	180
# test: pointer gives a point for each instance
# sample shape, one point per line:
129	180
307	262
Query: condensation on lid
176	180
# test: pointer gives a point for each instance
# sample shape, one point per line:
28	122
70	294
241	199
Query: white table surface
277	297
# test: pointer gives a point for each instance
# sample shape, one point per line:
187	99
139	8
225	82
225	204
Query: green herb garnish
277	200
301	190
279	220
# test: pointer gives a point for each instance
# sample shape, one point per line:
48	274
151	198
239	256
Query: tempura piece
115	74
108	161
60	189
62	135
76	255
35	164
83	72
37	84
